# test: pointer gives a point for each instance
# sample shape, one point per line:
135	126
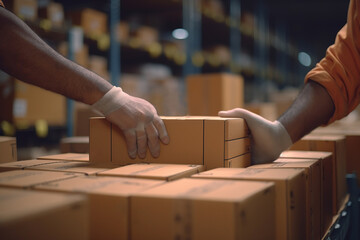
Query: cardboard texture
75	145
21	165
336	145
75	157
8	150
38	215
109	200
29	105
167	172
207	141
290	195
312	170
30	178
204	209
325	159
70	167
207	94
93	22
242	161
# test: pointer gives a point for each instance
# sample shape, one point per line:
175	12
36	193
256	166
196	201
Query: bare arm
312	108
25	56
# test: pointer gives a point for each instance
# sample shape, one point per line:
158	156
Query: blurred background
151	47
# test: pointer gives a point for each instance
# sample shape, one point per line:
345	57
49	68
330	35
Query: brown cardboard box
109	200
166	172
326	180
69	167
8	150
204	209
242	161
336	145
20	165
290	195
207	141
92	21
207	94
30	178
146	35
312	170
53	12
79	144
82	114
39	215
74	157
29	105
25	9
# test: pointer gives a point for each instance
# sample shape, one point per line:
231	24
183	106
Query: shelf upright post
75	39
192	23
114	45
235	35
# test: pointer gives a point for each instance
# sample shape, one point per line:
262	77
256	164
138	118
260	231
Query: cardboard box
8	150
69	167
290	195
312	170
242	161
29	105
30	178
75	144
82	114
25	9
146	35
166	172
53	12
325	159
204	209
208	141
93	22
336	145
40	215
109	200
207	94
73	157
21	165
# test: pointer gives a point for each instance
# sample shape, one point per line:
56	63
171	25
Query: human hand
268	139
138	120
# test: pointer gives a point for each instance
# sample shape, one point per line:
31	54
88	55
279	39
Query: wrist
114	99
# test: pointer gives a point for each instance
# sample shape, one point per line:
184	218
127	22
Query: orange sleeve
1	4
339	71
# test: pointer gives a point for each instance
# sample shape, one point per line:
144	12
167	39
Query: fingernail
165	139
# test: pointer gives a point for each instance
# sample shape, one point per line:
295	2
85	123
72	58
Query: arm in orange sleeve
339	71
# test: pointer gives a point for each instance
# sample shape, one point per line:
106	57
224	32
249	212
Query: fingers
236	112
153	140
130	138
160	127
141	139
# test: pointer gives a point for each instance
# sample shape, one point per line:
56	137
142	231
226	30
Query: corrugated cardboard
8	150
30	178
39	215
326	182
70	167
204	209
207	141
242	161
75	157
312	170
290	195
109	201
207	94
167	172
336	145
75	144
20	165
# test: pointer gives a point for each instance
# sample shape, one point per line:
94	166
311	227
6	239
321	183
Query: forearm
25	56
312	108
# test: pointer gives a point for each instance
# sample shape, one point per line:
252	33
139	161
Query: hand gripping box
337	145
208	141
204	209
312	170
166	172
109	201
325	159
39	215
290	195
